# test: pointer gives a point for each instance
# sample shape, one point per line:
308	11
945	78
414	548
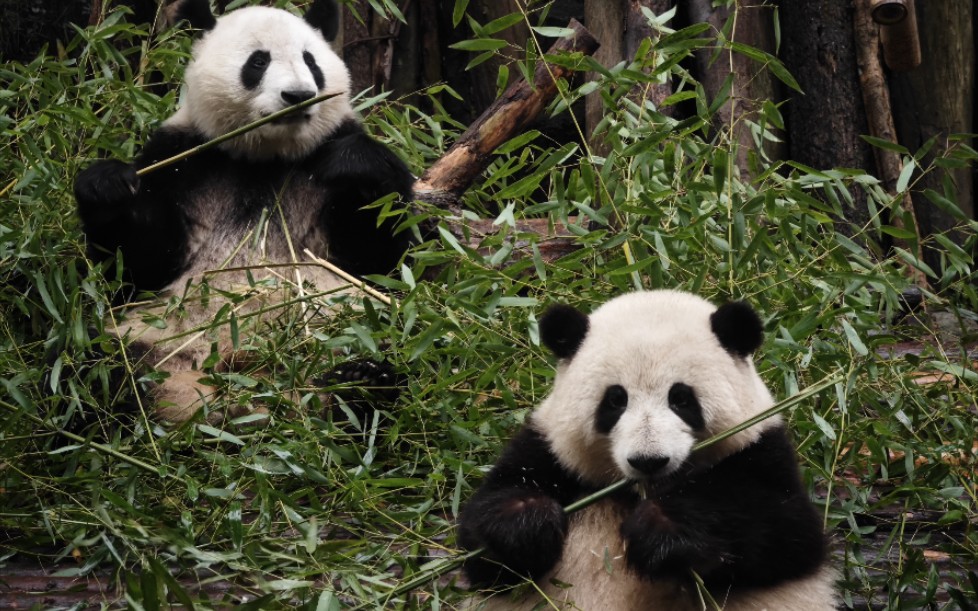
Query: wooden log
519	106
825	124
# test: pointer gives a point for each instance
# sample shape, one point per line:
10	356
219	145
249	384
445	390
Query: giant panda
640	381
222	233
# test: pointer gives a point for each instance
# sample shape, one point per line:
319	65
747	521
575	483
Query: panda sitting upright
639	382
240	216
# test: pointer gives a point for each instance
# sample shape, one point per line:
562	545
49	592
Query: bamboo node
888	12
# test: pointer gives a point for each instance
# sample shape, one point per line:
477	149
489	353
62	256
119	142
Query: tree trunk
752	82
382	53
606	20
937	99
824	124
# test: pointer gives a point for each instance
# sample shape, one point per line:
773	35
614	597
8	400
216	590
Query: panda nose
294	96
649	465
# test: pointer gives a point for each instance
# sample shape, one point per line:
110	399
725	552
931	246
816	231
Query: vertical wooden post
936	100
605	19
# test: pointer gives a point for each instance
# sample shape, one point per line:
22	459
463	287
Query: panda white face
646	377
256	61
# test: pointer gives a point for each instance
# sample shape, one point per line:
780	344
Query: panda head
255	61
645	377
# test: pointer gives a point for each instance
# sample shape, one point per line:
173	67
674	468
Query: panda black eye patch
317	74
612	406
254	69
683	403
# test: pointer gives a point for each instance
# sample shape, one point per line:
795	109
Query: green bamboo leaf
772	63
854	340
886	145
42	290
502	23
459	11
480	44
958	371
553	32
905	174
219	434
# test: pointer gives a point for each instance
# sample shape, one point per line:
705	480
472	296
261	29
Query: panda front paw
109	182
658	546
522	532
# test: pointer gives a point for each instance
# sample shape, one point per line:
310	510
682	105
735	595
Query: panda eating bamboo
236	219
639	383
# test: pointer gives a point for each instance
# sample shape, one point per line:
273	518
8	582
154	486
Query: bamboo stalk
901	40
452	563
235	133
85	442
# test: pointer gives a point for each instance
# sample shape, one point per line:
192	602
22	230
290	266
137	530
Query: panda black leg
107	183
517	514
363	385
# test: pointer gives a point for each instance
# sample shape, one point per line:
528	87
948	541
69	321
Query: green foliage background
301	513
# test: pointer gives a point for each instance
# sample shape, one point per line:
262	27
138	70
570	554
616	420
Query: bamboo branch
91	444
454	562
233	134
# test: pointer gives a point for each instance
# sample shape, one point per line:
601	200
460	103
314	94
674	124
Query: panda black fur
249	205
639	382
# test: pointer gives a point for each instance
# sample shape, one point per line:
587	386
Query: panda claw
657	546
110	182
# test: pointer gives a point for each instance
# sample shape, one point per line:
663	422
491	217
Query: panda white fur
240	215
640	381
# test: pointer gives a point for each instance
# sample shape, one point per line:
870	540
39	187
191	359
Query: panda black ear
195	12
738	327
562	329
324	15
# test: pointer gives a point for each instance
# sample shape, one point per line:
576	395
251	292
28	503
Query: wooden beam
519	106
